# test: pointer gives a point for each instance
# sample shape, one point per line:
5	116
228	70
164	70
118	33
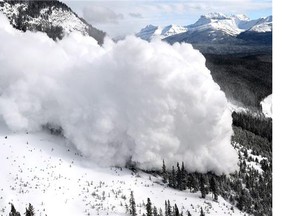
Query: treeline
249	188
152	210
180	179
258	125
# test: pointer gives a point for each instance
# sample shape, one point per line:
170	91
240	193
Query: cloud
136	15
126	101
97	14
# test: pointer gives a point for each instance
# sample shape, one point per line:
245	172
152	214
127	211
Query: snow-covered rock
53	17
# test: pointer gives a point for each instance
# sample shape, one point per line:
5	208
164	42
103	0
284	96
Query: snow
266	104
49	173
256	159
237	108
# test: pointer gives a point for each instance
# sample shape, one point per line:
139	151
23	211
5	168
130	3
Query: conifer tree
202	212
178	177
192	183
183	177
214	188
155	212
166	208
169	210
13	211
149	208
188	213
160	212
203	186
132	205
172	178
176	211
164	172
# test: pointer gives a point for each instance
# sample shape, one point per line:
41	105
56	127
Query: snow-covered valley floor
46	171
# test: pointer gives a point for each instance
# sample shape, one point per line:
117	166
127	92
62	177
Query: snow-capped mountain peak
216	22
150	31
240	17
172	30
263	24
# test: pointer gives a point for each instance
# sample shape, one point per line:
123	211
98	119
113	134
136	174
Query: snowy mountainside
53	17
262	25
38	167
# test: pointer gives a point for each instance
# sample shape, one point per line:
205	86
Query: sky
122	17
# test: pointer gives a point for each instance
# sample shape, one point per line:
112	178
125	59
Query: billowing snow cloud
130	100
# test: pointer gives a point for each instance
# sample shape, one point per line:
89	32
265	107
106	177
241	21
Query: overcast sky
122	17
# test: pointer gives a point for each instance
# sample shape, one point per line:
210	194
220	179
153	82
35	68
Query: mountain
259	33
54	18
215	29
151	32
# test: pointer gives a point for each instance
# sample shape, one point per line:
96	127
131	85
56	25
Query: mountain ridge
54	18
215	28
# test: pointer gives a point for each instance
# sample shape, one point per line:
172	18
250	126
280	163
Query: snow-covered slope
262	25
49	173
150	32
53	17
267	106
216	21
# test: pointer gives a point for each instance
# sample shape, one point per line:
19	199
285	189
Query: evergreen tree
176	211
166	208
149	208
178	177
203	186
132	205
202	212
155	212
31	209
169	210
160	212
172	178
183	177
214	188
164	172
192	183
13	211
188	213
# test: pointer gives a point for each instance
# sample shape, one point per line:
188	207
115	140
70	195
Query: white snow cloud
127	100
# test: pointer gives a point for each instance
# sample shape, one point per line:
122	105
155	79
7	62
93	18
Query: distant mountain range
215	29
52	17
